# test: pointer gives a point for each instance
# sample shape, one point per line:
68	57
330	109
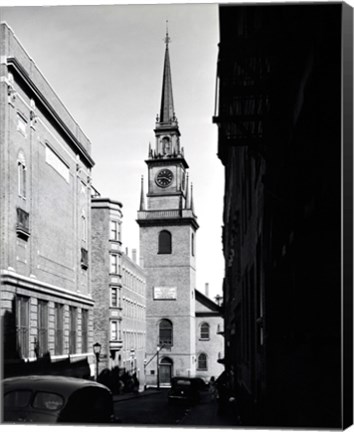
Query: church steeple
169	195
167	122
167	112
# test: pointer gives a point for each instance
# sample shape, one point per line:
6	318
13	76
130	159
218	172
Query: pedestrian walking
135	383
212	388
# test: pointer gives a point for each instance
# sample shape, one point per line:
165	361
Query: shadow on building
15	365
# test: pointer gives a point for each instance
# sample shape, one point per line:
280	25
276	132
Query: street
154	409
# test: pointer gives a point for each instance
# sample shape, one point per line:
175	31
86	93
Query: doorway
166	366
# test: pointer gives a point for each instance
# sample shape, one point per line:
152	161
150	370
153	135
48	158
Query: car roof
57	384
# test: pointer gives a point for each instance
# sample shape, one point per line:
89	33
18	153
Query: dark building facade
279	117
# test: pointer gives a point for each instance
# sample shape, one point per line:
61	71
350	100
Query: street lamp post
97	351
158	366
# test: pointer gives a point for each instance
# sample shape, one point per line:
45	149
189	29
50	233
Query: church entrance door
166	365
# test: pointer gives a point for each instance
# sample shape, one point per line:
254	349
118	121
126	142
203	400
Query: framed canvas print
176	215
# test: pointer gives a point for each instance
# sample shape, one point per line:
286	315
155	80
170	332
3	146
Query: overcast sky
106	63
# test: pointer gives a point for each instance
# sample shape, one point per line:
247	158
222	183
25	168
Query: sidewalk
127	396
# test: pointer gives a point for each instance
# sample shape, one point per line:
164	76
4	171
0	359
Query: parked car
184	389
203	384
56	399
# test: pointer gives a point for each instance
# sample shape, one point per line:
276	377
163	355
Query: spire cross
167	39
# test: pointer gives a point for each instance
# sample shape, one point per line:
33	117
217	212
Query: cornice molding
168	222
165	161
17	280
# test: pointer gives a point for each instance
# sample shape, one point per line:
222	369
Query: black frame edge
347	233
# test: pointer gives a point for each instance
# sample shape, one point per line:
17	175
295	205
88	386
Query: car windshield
17	398
48	401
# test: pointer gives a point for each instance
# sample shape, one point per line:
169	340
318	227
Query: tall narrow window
22	325
166	332
165	242
202	362
114	330
59	328
84	251
114	297
204	331
84	330
72	329
192	244
42	327
114	230
114	263
21	175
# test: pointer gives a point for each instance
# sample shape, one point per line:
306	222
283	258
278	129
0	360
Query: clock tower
168	228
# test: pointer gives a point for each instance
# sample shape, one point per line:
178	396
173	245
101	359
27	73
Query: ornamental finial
167	38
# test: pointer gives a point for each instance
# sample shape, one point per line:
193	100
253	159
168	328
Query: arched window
202	362
166	145
165	332
204	331
192	244
165	242
21	175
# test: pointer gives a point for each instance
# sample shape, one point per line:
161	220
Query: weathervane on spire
167	38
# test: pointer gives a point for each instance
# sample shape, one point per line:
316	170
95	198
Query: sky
105	63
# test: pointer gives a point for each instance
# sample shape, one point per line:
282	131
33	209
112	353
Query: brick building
118	288
133	300
107	278
280	112
168	227
45	216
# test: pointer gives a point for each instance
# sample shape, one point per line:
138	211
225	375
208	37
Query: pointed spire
142	198
167	114
167	38
192	204
187	192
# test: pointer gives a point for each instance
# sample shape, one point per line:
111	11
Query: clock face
164	178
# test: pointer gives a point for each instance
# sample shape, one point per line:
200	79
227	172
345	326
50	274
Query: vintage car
56	399
185	390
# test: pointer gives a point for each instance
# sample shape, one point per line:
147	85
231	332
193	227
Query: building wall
105	243
119	318
177	272
133	300
280	143
45	225
211	344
